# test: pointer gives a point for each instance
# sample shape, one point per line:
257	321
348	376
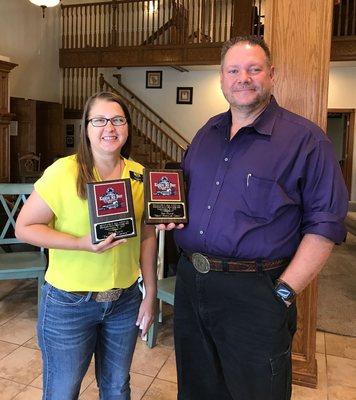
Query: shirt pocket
264	198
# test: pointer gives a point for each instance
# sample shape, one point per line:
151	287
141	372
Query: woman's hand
146	314
85	243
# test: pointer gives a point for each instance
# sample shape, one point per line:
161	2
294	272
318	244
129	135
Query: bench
18	260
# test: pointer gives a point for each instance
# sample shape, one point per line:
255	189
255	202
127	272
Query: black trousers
232	336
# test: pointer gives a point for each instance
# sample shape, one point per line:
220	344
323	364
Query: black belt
204	263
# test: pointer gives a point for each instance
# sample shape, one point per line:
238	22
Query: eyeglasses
101	121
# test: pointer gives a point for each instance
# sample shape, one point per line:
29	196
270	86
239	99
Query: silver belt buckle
109	295
201	263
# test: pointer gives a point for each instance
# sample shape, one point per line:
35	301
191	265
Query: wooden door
340	129
24	112
5	68
49	132
4	151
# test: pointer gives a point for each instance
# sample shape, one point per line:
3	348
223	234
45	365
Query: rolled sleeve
324	224
325	197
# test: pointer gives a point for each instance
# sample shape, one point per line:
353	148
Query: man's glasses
101	121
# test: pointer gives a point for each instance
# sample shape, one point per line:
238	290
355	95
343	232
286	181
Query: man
266	205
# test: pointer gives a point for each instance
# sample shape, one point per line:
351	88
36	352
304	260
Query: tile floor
153	370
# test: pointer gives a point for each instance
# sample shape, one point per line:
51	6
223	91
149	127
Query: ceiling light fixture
45	3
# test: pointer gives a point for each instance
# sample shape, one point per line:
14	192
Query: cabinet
40	131
5	68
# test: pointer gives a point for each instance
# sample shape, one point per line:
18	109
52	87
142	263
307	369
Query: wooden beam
142	56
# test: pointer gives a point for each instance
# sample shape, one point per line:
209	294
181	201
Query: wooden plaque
165	199
111	209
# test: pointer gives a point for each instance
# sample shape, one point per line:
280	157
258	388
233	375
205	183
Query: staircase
176	28
154	143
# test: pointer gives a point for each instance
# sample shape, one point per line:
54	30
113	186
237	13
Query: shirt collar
263	124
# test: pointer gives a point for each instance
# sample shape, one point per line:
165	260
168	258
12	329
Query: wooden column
5	68
299	34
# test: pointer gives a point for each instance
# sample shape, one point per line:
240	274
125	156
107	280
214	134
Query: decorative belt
204	263
108	295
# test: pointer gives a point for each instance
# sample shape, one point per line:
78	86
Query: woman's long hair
85	158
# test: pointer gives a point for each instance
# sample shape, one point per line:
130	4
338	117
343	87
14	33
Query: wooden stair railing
125	23
160	147
162	29
77	85
153	115
162	142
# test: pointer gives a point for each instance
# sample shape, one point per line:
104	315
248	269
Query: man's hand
169	227
85	243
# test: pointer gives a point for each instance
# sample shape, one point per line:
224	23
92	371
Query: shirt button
201	232
226	159
217	183
209	207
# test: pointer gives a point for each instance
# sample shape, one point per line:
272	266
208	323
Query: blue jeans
71	328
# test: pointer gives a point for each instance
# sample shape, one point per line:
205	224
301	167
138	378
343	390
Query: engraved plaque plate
165	199
111	209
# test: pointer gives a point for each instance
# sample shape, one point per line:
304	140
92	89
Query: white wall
342	94
31	42
186	118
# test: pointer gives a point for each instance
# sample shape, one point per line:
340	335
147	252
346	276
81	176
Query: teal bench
165	292
17	264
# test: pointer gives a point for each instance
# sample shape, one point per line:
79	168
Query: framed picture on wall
69	135
184	95
154	79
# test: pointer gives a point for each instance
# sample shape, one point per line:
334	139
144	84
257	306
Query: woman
74	323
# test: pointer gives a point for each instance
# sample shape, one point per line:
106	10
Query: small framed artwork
184	95
154	79
70	135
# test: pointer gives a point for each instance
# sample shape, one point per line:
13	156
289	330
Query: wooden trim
144	56
349	143
343	48
72	114
6	66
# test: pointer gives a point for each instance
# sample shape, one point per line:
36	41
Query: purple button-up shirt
255	196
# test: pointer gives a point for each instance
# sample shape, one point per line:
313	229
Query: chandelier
45	3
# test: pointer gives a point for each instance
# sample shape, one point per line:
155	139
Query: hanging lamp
44	4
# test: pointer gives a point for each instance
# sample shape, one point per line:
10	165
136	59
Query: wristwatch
285	292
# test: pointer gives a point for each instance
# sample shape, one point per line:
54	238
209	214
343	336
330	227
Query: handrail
128	23
162	147
140	111
98	3
113	2
133	95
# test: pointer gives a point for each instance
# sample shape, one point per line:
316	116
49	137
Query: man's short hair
250	39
